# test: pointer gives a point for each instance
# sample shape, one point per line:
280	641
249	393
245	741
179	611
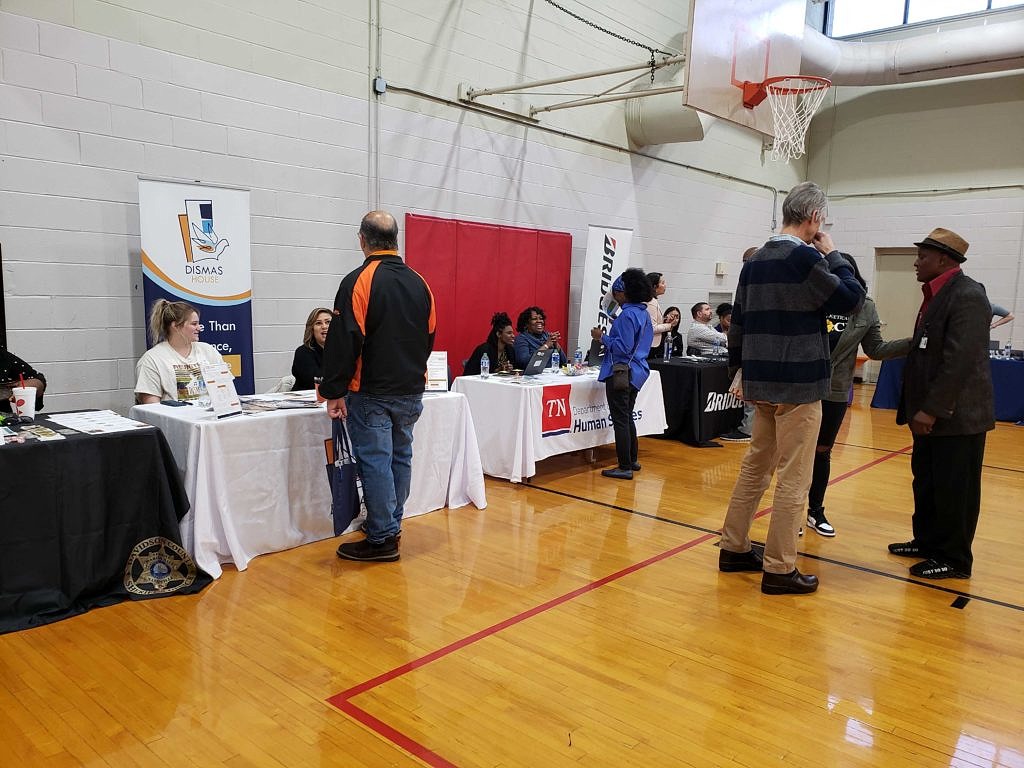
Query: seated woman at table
845	335
724	312
309	357
13	372
627	341
171	369
533	336
499	347
672	316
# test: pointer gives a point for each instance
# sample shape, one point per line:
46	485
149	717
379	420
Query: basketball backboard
733	41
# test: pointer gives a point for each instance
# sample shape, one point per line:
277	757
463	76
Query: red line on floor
851	473
512	621
393	735
343	700
870	464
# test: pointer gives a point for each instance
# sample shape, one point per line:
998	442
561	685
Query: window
853	17
850	17
926	10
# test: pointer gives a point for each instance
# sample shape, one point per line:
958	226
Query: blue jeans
380	427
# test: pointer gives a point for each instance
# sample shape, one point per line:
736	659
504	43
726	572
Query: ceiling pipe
997	47
943	54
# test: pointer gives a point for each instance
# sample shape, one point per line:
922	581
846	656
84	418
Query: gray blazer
862	330
951	378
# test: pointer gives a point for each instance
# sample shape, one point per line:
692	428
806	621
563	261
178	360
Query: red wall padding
475	270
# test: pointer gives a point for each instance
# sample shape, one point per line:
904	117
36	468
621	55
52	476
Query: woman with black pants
627	341
845	335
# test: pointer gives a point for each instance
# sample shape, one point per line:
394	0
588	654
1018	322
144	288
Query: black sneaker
817	521
366	551
937	569
735	437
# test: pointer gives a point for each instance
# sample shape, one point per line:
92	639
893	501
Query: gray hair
802	202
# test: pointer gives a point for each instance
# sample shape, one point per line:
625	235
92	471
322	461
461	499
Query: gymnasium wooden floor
576	621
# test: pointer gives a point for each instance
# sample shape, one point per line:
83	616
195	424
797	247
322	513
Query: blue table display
1007	385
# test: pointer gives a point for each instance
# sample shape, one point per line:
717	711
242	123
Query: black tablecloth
89	521
698	406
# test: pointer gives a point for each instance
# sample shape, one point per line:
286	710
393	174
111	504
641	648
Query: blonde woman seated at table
309	358
172	368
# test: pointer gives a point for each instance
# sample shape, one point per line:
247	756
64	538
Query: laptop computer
538	363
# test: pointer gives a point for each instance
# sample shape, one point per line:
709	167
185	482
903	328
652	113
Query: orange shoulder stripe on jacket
361	294
432	320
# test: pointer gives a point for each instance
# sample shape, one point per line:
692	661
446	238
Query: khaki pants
784	439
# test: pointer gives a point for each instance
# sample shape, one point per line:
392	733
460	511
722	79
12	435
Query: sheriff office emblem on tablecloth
158	566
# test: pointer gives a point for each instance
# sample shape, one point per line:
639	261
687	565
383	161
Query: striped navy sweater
778	333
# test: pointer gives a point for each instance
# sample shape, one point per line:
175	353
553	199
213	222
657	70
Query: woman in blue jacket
627	341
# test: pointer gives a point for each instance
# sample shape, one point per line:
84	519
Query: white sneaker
819	523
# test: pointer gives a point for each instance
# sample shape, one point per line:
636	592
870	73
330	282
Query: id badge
924	343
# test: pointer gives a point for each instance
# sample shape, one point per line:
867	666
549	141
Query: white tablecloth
523	420
258	483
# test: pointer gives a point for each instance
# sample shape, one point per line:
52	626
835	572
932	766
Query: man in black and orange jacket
374	374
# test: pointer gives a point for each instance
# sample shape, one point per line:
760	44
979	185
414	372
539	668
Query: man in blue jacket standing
779	343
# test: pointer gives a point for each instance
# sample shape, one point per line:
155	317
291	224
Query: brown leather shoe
793	583
735	562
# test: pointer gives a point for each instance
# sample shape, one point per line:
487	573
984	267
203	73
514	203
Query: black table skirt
89	521
698	406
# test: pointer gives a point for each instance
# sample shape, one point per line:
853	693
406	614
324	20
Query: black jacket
307	364
382	332
951	378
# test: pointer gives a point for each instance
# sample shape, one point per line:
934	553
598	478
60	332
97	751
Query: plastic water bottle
717	349
1007	351
577	358
668	346
485	366
555	360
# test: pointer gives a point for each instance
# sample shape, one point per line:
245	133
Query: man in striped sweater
778	341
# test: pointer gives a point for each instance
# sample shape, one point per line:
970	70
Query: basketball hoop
794	100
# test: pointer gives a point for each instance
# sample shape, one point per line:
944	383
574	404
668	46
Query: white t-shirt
164	373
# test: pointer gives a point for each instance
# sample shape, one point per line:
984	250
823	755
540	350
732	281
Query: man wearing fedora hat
946	400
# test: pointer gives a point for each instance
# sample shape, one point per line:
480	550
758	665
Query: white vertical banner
196	248
607	257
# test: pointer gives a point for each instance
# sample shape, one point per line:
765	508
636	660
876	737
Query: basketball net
794	101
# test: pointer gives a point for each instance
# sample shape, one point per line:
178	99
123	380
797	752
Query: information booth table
89	521
1007	387
258	484
522	420
698	406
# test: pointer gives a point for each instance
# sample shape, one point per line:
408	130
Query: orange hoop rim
814	83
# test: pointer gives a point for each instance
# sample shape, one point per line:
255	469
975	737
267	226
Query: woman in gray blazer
845	335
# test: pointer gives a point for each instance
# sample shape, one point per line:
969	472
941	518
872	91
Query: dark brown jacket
951	378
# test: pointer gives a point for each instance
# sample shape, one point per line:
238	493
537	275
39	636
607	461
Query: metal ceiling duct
996	47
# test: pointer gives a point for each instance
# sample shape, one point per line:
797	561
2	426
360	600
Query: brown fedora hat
947	241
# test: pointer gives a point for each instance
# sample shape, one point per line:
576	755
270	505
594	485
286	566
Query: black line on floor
966	596
908	580
887	450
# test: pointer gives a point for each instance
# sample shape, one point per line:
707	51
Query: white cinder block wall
83	115
273	97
